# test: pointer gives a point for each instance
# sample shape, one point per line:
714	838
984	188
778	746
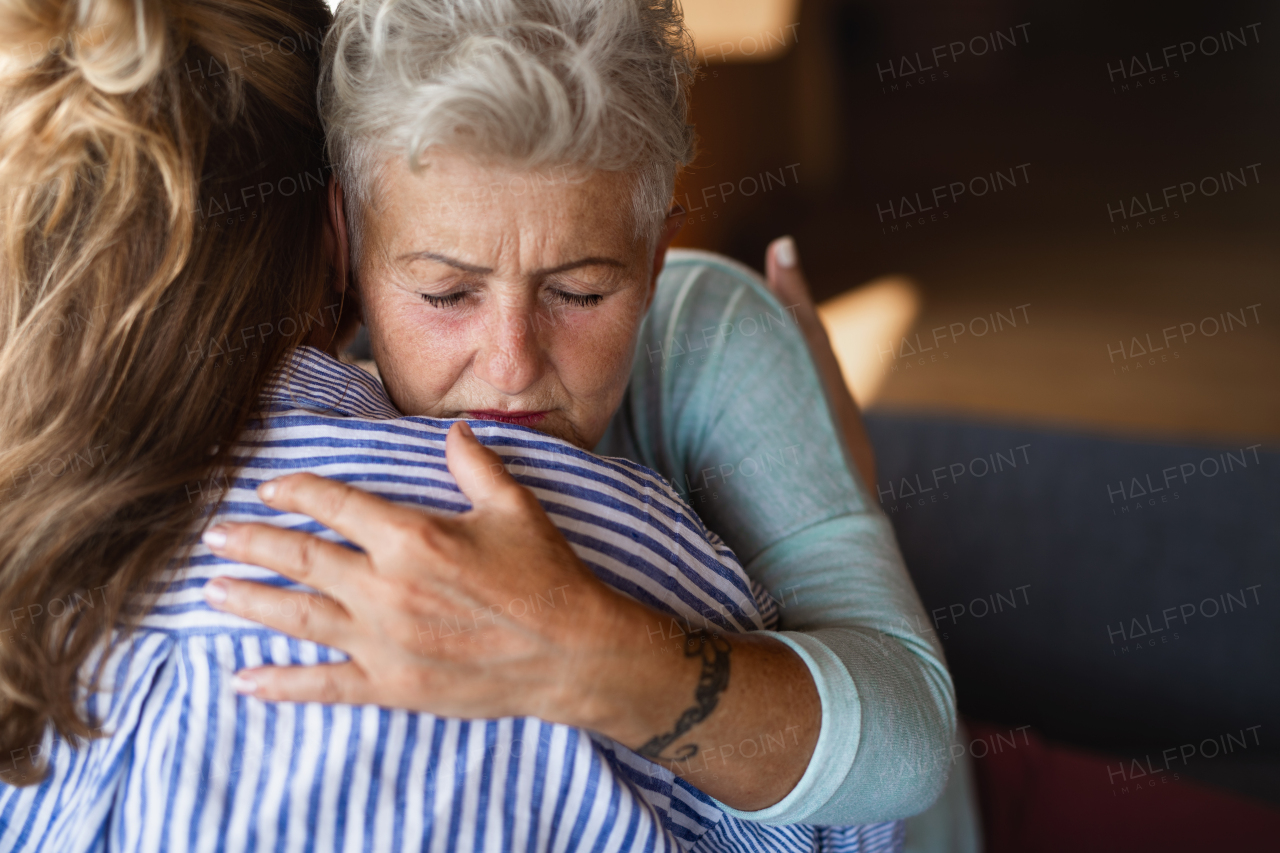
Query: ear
670	228
337	244
337	250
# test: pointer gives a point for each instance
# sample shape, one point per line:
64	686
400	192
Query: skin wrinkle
512	343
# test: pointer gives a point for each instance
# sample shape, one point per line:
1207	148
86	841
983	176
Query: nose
510	358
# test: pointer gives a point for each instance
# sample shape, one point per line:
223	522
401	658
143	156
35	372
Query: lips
518	418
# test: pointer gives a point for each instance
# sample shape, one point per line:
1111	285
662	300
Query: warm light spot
742	30
865	324
736	30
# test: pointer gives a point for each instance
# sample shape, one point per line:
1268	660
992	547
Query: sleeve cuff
838	737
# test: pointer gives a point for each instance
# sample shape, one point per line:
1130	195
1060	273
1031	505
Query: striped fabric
187	764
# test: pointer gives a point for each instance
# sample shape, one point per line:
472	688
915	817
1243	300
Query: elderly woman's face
505	295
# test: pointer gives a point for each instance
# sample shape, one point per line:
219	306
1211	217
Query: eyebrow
444	259
472	268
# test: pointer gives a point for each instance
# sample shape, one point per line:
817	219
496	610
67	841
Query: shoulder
695	279
696	261
704	300
723	311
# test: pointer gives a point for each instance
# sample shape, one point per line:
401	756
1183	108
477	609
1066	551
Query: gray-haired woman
506	171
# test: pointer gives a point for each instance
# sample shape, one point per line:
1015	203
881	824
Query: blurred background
836	111
1074	206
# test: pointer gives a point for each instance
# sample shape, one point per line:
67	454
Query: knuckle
306	615
411	536
308	556
330	691
333	498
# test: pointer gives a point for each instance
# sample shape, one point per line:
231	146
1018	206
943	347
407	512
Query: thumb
479	471
785	279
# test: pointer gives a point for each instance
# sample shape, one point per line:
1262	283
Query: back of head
161	175
597	84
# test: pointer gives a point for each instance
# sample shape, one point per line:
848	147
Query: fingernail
215	537
215	592
267	491
240	684
785	253
465	429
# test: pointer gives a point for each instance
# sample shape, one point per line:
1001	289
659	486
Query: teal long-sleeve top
725	401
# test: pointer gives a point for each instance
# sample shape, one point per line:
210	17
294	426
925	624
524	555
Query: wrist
630	679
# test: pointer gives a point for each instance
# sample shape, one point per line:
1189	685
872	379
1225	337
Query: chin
562	429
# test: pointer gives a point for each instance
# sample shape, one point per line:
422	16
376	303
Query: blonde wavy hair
129	130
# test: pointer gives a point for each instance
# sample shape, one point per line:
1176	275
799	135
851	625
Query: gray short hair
592	84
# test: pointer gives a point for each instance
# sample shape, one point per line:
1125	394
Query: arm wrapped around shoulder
726	377
888	703
903	759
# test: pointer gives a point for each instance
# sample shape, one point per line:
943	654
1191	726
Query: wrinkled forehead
463	200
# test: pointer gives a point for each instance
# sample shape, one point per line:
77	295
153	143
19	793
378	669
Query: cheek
420	357
595	352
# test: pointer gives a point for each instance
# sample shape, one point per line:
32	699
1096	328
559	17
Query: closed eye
448	300
580	300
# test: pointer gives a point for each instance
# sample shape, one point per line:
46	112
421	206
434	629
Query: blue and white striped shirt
188	764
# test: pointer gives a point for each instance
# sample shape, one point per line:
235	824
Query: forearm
807	531
844	409
789	286
890	716
736	715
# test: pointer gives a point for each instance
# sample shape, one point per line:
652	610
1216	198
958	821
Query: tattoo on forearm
714	651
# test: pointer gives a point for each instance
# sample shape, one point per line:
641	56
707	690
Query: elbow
896	777
916	777
937	755
928	784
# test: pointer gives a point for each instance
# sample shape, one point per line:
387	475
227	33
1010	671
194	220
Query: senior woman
505	175
119	726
